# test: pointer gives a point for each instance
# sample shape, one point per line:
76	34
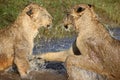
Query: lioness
16	41
99	52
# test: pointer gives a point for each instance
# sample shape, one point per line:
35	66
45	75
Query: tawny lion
99	52
16	41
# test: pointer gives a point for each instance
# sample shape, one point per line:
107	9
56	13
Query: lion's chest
6	45
89	44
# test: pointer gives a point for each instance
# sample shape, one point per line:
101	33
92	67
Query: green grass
109	10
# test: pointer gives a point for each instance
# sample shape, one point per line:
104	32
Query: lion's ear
29	12
91	5
80	9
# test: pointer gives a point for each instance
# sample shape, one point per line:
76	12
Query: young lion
99	51
16	41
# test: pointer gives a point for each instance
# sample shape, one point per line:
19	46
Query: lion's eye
80	9
68	14
29	13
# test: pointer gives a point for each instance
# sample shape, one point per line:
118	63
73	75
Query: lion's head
35	16
79	15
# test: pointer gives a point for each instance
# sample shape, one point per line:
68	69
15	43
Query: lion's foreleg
21	62
56	56
53	56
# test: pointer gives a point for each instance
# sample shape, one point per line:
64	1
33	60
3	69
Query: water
53	45
115	33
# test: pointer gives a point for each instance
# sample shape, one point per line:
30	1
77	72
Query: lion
17	40
96	50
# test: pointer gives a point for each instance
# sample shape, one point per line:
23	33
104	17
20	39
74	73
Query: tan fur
99	51
56	56
16	41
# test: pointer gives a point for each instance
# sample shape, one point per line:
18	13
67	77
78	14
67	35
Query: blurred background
107	10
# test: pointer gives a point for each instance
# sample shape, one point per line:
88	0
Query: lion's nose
66	26
48	25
